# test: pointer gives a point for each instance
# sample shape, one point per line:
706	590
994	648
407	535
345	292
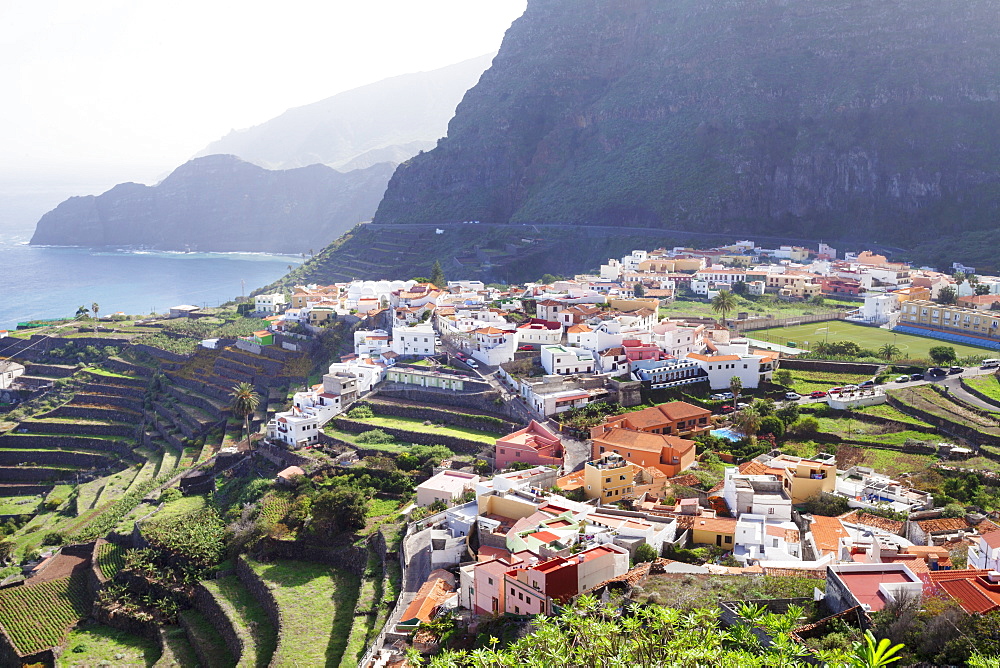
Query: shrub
53	538
772	425
806	425
644	553
361	412
171	494
375	437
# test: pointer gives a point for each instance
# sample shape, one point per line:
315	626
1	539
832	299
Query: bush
644	553
828	505
772	425
806	425
375	437
53	538
361	412
953	510
171	494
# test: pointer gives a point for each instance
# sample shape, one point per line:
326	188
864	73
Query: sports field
807	335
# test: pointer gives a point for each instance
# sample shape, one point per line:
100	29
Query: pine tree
437	274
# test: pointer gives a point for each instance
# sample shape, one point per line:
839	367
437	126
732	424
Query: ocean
51	282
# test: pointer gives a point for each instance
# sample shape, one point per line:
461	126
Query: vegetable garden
37	617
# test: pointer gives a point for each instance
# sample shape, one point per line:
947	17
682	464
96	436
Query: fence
767	323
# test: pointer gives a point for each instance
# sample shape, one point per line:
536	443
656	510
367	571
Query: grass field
317	607
988	385
810	381
418	426
100	645
19	505
873	338
775	308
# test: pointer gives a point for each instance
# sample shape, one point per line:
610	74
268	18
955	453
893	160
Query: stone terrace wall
206	604
454	443
828	367
80	429
49	370
24	490
446	416
126	403
92	413
28	441
258	589
479	401
162	355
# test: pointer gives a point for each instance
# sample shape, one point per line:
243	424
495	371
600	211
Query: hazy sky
135	87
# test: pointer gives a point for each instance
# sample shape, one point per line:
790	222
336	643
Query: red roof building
534	445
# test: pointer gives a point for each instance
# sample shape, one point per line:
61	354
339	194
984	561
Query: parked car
437	342
937	371
956	369
867	383
818	394
726	409
741	405
792	396
525	348
903	379
917	376
836	390
472	363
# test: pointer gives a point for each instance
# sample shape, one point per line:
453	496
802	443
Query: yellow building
947	318
913	293
709	530
610	478
804	478
801	289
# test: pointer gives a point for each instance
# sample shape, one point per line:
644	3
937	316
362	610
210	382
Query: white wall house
566	360
269	304
413	340
985	552
371	342
736	360
879	307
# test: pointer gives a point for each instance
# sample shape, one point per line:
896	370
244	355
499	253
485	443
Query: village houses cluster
562	345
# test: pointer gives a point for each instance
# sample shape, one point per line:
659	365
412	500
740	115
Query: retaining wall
979	395
828	367
161	354
92	413
79	428
115	390
258	589
32	474
60	458
24	490
126	403
206	604
480	401
451	442
442	415
947	426
49	370
28	441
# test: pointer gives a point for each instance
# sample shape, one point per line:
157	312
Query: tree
740	288
982	289
245	403
747	421
340	509
888	351
724	303
959	277
771	424
953	510
437	275
735	386
942	354
82	311
639	290
947	295
818	300
95	308
788	413
644	553
784	377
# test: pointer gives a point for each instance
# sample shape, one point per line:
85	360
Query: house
761	538
533	588
969	324
446	486
414	340
610	478
977	591
371	342
871	586
539	332
984	553
804	478
287	477
938	531
548	397
752	367
312	409
666	373
183	311
566	360
9	370
668	454
980	302
677	418
532	445
262	338
435	595
612	360
269	304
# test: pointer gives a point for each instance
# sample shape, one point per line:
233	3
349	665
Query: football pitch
808	335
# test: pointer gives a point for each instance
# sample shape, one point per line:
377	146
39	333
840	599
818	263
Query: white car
437	342
472	363
792	396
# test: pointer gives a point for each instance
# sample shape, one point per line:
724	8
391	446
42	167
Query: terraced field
99	645
248	618
317	607
38	616
208	644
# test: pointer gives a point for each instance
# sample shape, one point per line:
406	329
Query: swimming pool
727	433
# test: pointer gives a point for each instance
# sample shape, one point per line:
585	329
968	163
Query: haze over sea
46	282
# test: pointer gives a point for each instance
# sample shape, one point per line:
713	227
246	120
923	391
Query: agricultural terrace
987	385
248	618
99	645
418	426
755	306
317	607
872	338
805	382
38	616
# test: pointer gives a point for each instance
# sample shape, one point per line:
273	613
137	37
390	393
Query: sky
129	89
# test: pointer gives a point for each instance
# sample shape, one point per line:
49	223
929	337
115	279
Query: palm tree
735	386
724	303
746	421
95	308
888	351
245	403
82	311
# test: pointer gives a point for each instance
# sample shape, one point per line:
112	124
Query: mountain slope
867	119
387	121
220	203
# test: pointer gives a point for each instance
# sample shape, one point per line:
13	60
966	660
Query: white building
567	360
761	539
413	340
985	552
446	486
9	370
879	307
371	342
736	359
677	338
312	409
269	304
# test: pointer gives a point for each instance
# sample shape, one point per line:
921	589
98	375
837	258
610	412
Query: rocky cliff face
866	119
220	203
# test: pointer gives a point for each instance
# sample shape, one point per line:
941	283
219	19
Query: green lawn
912	347
181	506
19	505
754	307
418	426
347	437
810	381
988	385
890	413
317	606
100	645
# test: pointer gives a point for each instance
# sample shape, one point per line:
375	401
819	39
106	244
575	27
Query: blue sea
50	282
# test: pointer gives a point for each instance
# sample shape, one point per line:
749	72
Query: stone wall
24	490
31	474
55	458
50	370
348	558
94	387
480	401
121	366
29	441
828	367
160	354
206	604
451	442
466	420
979	395
92	413
79	429
126	403
258	589
946	426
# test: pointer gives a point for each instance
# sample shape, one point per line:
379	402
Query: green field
99	645
873	338
988	385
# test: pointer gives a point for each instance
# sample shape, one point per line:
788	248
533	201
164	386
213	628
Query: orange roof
715	524
992	538
640	440
543	536
943	524
438	589
578	329
972	589
892	526
827	532
752	467
714	358
491	331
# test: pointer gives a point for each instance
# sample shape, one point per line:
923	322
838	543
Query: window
729	539
490	580
511	591
774	543
517	610
770	511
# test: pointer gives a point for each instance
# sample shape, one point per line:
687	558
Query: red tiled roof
949	524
